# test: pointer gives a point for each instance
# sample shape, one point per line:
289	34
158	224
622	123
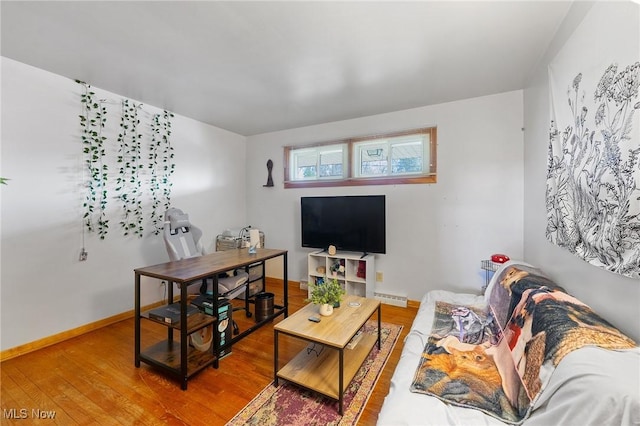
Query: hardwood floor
91	379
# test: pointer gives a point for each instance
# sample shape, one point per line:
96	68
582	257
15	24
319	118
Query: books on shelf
170	314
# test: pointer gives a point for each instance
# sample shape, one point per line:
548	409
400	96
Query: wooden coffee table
315	366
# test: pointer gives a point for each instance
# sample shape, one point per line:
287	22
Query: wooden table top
335	330
195	268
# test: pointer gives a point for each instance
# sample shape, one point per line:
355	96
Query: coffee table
315	366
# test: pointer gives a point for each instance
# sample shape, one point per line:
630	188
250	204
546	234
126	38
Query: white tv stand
349	279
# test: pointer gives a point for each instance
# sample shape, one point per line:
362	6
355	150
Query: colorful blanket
497	359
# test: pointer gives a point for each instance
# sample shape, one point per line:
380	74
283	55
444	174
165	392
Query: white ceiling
256	67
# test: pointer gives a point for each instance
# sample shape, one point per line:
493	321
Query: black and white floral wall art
593	169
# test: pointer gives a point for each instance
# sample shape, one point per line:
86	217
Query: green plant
329	291
161	166
3	181
92	121
134	175
129	158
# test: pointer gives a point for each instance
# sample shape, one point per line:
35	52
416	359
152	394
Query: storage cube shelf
344	267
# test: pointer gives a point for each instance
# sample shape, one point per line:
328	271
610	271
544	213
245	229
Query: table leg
183	335
216	337
170	301
247	289
137	320
379	325
341	381
215	307
275	358
286	285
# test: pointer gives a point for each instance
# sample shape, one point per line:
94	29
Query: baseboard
75	332
69	334
61	337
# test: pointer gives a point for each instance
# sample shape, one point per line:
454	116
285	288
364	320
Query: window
397	158
322	162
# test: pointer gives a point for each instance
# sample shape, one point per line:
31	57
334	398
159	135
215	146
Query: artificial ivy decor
161	166
129	187
138	183
92	121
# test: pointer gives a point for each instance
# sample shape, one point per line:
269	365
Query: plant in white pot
327	294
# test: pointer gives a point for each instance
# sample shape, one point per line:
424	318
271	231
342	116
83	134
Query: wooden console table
179	359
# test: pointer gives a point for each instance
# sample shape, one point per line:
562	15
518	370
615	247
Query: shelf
194	322
319	372
337	276
320	263
488	265
356	288
167	354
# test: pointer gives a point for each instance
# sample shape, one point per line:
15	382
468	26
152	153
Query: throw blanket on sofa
498	359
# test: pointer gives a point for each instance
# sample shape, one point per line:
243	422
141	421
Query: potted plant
327	294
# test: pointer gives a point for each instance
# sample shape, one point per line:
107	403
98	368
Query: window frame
350	179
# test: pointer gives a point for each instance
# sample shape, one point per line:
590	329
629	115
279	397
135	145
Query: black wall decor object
269	178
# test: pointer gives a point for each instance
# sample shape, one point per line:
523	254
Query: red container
499	258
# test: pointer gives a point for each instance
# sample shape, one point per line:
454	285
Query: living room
489	197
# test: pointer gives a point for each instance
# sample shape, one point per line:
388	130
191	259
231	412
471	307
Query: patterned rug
289	404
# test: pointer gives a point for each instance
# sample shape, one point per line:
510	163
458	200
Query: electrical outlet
83	255
379	276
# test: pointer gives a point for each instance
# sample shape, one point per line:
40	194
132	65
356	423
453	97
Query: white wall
437	234
613	296
490	177
45	289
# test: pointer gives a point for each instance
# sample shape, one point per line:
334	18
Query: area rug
289	404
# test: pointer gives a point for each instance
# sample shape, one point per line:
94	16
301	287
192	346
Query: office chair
182	240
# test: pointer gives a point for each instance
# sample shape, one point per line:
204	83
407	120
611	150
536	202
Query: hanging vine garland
87	98
161	166
154	187
92	121
128	184
100	169
168	166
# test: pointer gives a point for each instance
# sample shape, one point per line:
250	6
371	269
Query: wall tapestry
593	174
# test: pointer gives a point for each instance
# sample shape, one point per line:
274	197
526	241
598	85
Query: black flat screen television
350	223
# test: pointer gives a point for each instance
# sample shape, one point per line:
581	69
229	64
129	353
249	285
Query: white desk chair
182	240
